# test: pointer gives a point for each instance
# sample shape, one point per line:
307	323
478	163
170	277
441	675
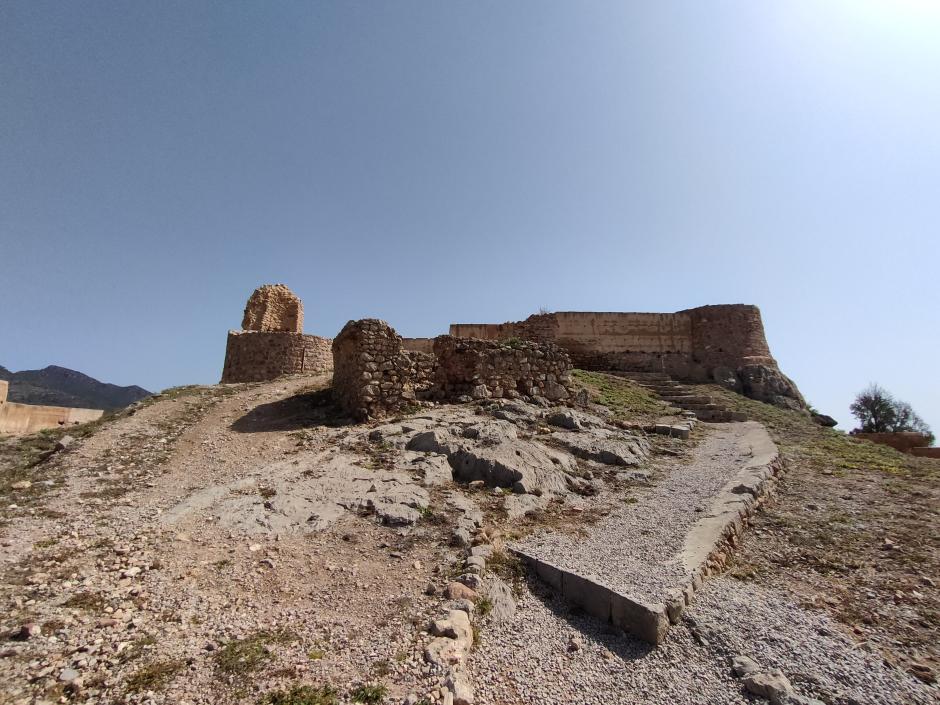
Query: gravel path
743	618
553	653
527	659
634	550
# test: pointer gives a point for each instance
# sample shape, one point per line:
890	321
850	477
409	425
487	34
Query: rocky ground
243	543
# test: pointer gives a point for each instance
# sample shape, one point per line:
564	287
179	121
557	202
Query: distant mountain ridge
60	386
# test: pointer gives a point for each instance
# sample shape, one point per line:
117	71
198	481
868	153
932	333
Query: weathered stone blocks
485	368
724	343
274	308
374	374
272	343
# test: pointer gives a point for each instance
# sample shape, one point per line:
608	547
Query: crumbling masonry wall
483	368
272	343
274	307
373	373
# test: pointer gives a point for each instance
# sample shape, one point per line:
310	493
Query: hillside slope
246	543
60	386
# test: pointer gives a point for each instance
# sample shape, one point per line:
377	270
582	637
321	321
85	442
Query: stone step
681	392
721	416
698	408
682	396
685	399
642	375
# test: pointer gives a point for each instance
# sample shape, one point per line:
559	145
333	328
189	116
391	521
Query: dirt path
129	609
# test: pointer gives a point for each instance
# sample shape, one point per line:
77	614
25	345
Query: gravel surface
743	618
527	660
634	550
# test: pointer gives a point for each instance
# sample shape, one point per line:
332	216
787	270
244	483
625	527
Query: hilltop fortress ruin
724	344
375	368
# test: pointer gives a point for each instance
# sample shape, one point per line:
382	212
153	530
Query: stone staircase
685	397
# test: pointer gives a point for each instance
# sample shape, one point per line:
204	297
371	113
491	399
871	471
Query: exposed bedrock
770	385
493	452
505	448
604	446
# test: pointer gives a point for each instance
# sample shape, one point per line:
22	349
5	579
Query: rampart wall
28	418
725	343
904	441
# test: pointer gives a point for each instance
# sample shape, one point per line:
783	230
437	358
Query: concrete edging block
726	519
593	598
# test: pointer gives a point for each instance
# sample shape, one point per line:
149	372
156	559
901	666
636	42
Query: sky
437	162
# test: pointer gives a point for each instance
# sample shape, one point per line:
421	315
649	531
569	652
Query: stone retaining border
705	551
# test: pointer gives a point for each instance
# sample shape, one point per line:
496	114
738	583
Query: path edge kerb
705	551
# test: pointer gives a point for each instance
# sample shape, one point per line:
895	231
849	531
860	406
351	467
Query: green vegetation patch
156	676
804	441
252	652
626	399
301	695
369	694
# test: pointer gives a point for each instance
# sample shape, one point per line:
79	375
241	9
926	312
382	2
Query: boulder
727	378
500	596
770	385
743	666
823	419
772	685
459	685
459	591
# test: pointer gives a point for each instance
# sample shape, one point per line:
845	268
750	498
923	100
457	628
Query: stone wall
425	345
724	343
373	374
28	418
258	356
926	452
274	307
272	342
485	368
904	441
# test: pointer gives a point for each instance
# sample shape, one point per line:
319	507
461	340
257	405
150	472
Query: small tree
878	411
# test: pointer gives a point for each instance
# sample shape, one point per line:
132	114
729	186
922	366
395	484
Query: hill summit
60	386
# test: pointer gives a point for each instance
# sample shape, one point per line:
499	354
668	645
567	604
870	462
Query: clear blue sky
430	162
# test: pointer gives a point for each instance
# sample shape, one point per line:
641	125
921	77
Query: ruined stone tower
272	342
274	308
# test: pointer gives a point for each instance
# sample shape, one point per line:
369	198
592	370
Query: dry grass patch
852	531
